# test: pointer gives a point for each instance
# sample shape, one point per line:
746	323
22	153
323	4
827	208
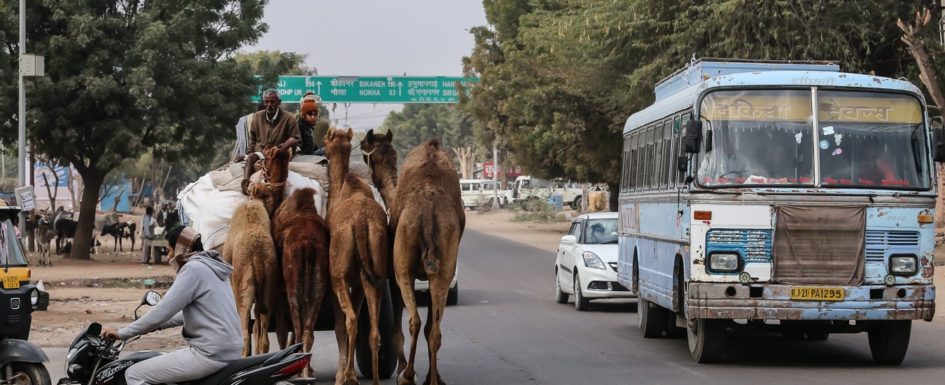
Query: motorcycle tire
36	374
386	358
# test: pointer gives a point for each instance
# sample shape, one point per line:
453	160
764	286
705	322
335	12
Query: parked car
477	192
586	262
526	187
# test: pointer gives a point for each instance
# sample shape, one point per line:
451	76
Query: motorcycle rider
200	299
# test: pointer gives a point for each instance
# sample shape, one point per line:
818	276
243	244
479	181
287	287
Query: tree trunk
82	242
614	190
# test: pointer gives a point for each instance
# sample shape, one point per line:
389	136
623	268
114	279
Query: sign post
374	89
24	198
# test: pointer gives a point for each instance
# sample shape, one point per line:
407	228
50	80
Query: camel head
378	151
264	192
338	143
276	164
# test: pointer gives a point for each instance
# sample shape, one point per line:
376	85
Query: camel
275	172
381	157
428	220
302	236
358	254
250	248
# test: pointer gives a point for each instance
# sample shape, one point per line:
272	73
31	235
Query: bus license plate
11	282
817	293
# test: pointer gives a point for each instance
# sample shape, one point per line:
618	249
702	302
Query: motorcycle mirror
95	329
151	298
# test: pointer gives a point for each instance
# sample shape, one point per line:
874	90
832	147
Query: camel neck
386	183
338	170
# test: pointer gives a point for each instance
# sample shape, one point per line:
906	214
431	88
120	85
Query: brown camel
302	236
275	172
249	247
357	255
381	157
428	219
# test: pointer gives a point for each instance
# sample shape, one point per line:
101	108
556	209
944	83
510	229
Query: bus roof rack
706	68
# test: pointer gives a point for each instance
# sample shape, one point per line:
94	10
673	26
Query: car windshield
10	252
766	137
600	231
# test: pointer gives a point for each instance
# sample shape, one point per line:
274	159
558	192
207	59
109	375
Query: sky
374	38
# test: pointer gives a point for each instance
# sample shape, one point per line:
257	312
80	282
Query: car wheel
889	341
651	319
706	339
452	299
560	296
580	303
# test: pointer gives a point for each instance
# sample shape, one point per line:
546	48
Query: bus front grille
879	243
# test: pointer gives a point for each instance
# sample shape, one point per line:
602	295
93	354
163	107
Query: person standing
147	234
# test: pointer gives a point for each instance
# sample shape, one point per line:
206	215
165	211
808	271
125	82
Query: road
508	330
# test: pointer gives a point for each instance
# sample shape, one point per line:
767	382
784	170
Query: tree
125	76
558	79
417	123
268	65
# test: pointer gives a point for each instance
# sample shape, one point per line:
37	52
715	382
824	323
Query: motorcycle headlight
592	261
34	296
903	264
723	262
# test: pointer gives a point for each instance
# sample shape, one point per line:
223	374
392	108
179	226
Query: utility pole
495	175
21	114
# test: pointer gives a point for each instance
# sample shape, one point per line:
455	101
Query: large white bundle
209	209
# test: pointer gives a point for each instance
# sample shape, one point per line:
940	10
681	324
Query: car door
568	257
561	261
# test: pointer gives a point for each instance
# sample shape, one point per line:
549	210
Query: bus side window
686	116
667	171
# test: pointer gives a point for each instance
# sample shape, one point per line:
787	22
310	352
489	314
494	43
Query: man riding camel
271	126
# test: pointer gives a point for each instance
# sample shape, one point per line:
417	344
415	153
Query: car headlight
903	264
723	262
592	261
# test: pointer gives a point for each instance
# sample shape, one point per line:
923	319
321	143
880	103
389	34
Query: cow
44	234
120	231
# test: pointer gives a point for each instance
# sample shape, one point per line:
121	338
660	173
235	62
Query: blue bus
783	197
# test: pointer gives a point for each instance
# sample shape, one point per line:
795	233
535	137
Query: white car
586	262
422	285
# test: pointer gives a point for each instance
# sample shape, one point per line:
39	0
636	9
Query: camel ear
370	136
350	133
390	135
331	134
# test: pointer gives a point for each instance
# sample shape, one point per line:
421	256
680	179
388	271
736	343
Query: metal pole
21	114
495	176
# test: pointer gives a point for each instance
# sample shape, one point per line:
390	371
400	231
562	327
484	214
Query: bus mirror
693	136
938	144
682	163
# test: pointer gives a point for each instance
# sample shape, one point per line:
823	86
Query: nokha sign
374	89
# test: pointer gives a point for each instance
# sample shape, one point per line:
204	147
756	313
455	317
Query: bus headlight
903	264
723	262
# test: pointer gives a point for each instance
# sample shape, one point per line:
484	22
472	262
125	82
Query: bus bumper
773	302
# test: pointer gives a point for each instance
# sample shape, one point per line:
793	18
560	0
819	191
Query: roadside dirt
499	223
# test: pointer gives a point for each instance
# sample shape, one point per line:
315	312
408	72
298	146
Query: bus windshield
767	137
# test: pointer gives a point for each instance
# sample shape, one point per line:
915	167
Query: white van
476	192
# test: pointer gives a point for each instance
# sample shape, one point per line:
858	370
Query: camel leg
341	336
405	281
397	302
373	296
351	326
439	289
242	286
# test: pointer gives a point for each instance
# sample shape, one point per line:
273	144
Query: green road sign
374	89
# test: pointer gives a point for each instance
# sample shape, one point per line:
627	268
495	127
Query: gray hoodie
201	299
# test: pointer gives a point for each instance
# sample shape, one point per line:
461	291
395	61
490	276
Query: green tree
268	65
558	78
417	123
126	76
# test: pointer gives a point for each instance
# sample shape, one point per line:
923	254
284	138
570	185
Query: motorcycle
94	360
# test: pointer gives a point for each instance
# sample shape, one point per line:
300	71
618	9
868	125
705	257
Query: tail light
293	368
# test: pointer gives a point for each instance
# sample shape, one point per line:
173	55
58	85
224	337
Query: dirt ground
108	288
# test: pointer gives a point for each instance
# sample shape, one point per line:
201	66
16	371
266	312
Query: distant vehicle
586	262
423	286
527	188
786	197
476	192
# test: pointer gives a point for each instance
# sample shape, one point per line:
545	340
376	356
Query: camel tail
428	245
361	238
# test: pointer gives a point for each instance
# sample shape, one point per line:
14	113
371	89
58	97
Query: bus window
641	160
667	176
760	137
657	168
634	160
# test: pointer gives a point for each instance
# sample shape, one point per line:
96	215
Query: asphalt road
508	330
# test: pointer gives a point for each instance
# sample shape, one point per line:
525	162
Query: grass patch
536	210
